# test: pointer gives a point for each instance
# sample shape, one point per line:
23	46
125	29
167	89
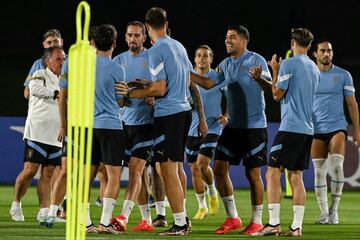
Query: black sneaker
188	222
160	221
176	230
98	202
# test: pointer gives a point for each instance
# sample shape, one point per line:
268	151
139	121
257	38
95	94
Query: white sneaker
324	219
333	217
17	215
41	217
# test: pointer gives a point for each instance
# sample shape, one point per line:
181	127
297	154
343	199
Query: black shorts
139	141
42	153
108	147
291	151
170	134
198	145
326	137
247	144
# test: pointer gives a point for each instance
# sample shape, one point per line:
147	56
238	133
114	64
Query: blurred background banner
12	155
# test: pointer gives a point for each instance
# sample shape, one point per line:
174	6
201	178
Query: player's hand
62	132
223	120
356	139
255	72
121	88
274	64
150	101
202	128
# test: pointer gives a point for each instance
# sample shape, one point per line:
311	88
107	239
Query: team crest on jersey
146	64
335	78
29	153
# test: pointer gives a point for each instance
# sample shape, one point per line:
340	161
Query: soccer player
294	84
41	133
200	149
137	117
246	76
330	127
108	140
51	37
169	68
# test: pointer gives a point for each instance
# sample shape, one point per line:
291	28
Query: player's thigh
319	149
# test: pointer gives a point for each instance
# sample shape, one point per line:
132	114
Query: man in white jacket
41	133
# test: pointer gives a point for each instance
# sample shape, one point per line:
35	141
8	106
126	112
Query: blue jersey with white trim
299	76
211	100
245	97
168	60
107	110
37	65
136	111
328	112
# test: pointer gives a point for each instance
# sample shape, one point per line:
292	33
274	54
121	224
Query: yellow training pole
81	91
288	192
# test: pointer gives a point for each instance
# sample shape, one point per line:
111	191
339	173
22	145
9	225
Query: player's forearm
354	115
203	82
146	92
195	94
275	91
265	85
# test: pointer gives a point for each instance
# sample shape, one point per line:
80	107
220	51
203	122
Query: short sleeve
285	74
156	65
349	89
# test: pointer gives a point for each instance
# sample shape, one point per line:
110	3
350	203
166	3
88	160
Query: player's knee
195	168
337	162
253	174
295	179
30	170
320	170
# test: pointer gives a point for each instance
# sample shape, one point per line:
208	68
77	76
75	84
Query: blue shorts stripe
55	155
255	150
208	145
275	148
142	144
191	152
37	148
159	140
225	150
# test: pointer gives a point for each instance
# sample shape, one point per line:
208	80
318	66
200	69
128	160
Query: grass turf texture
348	228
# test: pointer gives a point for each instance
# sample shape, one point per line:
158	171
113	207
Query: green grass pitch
349	227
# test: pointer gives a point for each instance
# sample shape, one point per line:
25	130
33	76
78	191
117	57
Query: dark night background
192	23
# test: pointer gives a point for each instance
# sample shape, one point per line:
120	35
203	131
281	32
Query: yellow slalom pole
81	91
288	192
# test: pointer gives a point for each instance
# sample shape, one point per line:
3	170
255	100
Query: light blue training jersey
328	115
63	83
107	110
168	60
299	76
245	97
211	100
136	111
37	65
